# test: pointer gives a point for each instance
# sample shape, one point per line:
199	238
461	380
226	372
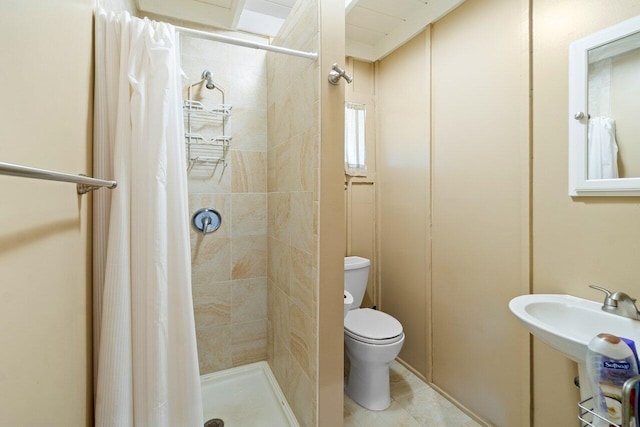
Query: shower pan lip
259	370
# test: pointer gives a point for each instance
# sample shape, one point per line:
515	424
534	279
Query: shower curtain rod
245	43
85	183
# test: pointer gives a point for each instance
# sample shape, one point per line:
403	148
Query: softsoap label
616	364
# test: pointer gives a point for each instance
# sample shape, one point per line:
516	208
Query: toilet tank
356	275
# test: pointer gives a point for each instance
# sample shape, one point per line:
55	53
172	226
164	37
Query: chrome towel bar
85	183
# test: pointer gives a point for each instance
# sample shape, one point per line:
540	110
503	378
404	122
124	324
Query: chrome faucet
619	303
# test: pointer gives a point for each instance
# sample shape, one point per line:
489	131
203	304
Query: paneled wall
480	94
293	118
360	192
576	241
45	227
229	266
403	105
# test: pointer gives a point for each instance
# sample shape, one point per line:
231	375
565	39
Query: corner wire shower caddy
630	394
200	149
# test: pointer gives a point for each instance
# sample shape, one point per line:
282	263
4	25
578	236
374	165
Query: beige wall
293	114
331	229
229	266
45	257
360	192
578	241
488	199
403	106
480	206
118	5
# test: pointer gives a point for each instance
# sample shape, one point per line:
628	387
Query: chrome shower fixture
208	78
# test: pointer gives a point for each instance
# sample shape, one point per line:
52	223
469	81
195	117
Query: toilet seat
372	327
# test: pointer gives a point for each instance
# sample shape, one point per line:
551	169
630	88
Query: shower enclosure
267	283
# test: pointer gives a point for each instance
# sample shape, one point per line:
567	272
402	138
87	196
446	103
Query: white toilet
372	339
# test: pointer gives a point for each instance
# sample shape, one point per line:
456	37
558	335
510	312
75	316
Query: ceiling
374	28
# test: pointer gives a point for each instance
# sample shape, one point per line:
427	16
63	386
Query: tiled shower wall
229	266
293	168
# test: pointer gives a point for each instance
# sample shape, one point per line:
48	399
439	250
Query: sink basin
568	323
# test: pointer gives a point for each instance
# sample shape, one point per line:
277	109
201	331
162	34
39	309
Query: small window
354	140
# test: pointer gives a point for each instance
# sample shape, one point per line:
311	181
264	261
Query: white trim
579	184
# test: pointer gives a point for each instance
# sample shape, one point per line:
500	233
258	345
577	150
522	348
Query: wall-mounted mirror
604	107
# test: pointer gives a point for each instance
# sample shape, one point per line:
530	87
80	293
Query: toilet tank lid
354	262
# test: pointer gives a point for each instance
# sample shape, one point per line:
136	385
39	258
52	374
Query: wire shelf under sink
588	417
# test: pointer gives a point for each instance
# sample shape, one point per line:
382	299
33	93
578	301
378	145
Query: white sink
568	323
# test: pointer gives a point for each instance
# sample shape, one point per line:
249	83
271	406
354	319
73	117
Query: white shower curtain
146	358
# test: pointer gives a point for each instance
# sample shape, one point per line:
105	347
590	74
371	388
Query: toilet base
368	382
368	386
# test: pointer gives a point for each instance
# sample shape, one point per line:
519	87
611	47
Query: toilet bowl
373	339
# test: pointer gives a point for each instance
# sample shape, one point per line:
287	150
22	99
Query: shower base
246	396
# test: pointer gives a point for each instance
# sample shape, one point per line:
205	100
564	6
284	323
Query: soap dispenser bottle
610	362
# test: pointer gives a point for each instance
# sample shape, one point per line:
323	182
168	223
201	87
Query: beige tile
301	217
248	127
248	300
280	364
419	406
214	351
270	332
303	106
270	59
403	382
316	219
248	88
310	78
278	216
430	409
249	171
301	281
244	57
283	169
301	339
316	279
249	342
278	264
283	116
301	394
249	257
207	178
249	213
304	162
202	50
279	316
395	416
218	202
271	171
357	416
210	259
212	304
270	343
273	126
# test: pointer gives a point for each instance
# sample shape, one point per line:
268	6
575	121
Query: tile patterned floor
413	404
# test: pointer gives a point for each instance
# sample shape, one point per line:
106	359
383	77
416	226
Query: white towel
602	148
